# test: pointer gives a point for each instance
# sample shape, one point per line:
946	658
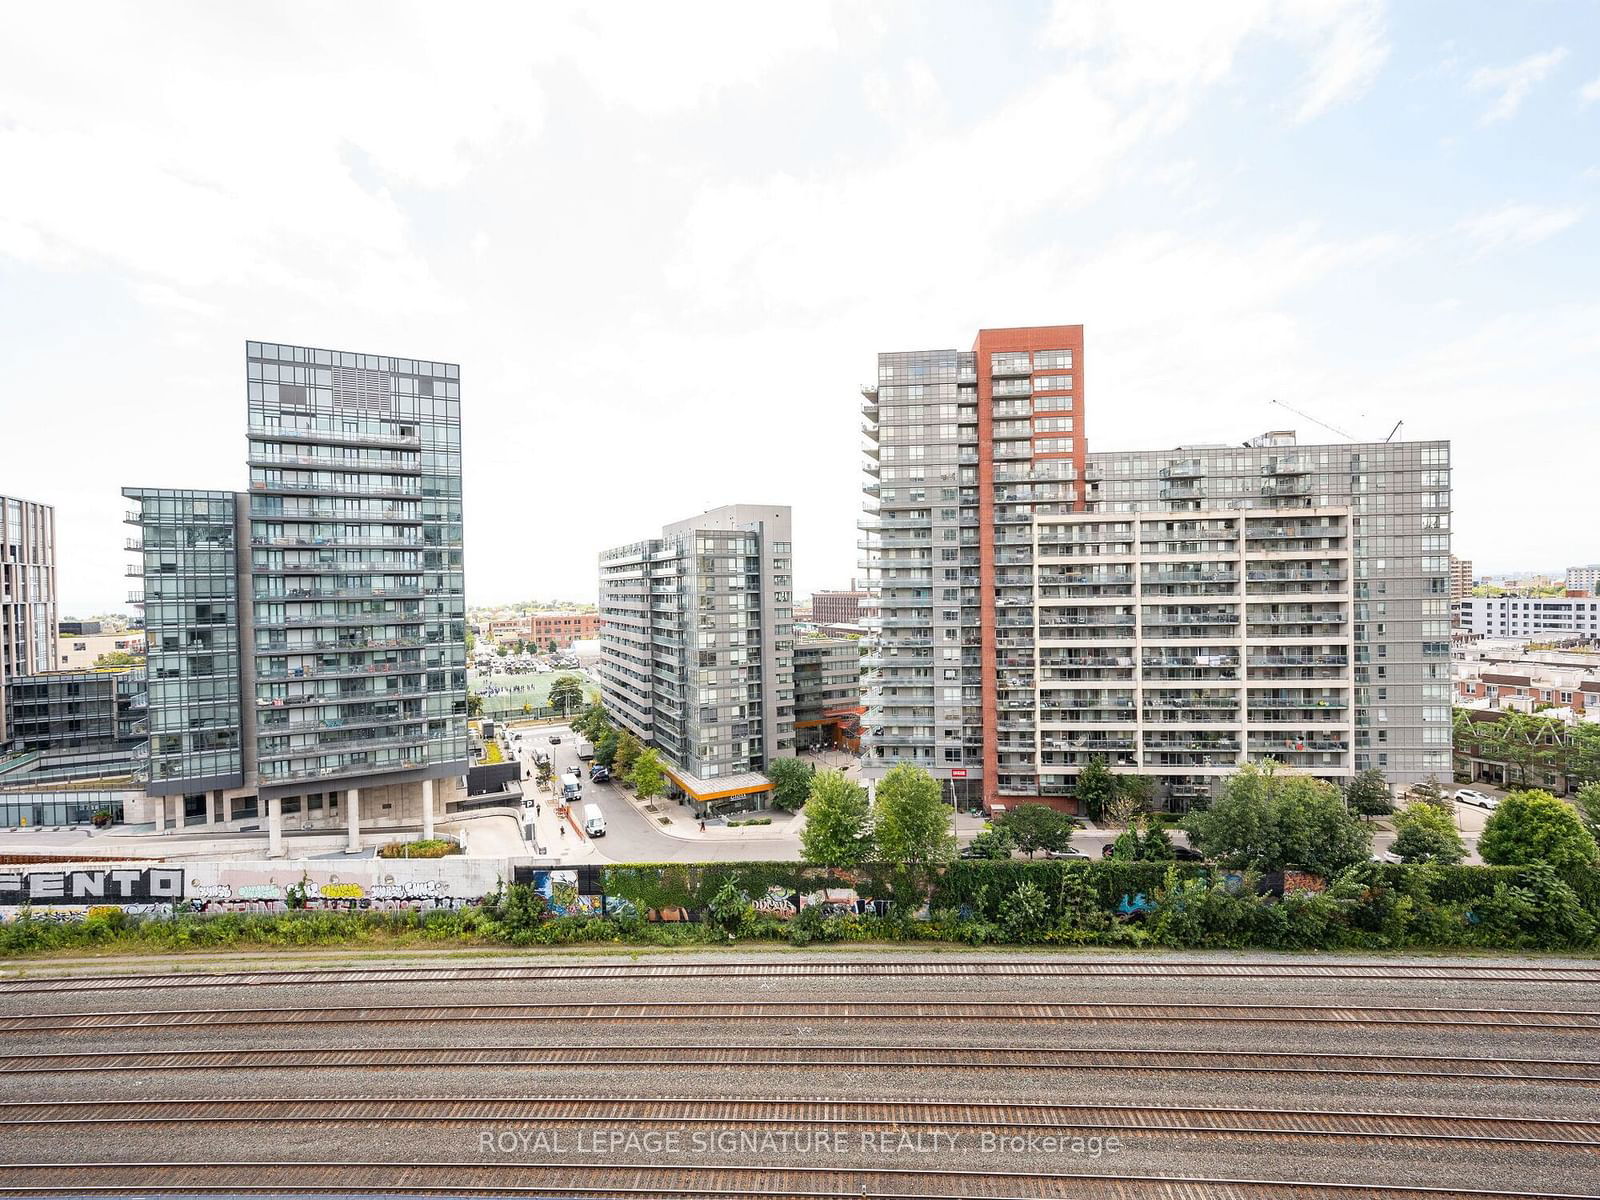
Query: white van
594	821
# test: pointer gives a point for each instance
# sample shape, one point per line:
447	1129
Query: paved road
1188	1049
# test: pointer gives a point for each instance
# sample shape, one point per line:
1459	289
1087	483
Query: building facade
80	652
1530	617
697	649
827	692
1172	614
307	636
27	592
837	608
1460	577
544	628
1584	579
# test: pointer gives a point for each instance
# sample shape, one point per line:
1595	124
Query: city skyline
1369	213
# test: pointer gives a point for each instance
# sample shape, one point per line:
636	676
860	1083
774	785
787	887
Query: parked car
1475	797
1064	854
555	739
1185	854
599	774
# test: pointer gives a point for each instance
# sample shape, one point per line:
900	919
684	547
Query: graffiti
839	902
77	887
335	891
778	902
561	895
1130	906
260	891
210	891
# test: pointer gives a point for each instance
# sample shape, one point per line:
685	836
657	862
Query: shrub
421	848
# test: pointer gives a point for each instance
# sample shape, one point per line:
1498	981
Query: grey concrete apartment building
697	649
1171	613
307	651
27	592
827	691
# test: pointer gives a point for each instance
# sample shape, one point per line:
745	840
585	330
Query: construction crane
1394	431
1347	437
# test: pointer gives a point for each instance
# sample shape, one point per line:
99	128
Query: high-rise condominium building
1172	613
697	649
1460	577
27	592
307	637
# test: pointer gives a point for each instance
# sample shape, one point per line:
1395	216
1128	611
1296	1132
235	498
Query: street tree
647	777
1429	792
838	829
1426	833
1037	827
566	693
1588	801
910	819
1368	794
791	783
1264	821
1129	797
626	753
1533	826
992	843
605	750
1094	787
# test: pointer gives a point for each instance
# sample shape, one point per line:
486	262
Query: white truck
585	749
571	785
594	821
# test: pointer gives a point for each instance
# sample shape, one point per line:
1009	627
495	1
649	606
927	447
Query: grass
532	690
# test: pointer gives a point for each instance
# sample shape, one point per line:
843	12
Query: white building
1530	617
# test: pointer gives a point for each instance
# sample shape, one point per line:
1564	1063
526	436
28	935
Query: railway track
574	1112
1583	1073
579	972
1544	1020
651	1182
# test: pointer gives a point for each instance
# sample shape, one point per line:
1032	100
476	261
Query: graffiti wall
71	892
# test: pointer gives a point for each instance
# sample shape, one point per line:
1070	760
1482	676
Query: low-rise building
74	725
1507	675
837	608
1529	617
81	651
545	628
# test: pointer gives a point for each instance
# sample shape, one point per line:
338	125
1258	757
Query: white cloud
1513	83
1590	92
1517	225
1185	46
904	98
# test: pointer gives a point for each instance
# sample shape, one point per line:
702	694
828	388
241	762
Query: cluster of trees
619	751
1529	746
908	823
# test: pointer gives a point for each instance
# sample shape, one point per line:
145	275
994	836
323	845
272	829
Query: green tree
1038	827
838	831
1429	792
117	658
1368	794
647	777
1130	796
1427	833
474	704
472	642
593	721
566	693
910	819
1094	787
1533	826
553	647
605	750
993	843
626	753
1588	801
1265	821
791	782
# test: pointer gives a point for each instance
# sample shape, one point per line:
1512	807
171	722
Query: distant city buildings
543	628
306	638
1460	577
1584	579
1171	613
697	649
1529	617
837	608
27	592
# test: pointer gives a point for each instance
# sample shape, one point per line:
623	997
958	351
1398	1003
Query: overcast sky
665	241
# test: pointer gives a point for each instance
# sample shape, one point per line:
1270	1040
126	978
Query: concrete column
352	800
427	808
159	803
275	828
227	808
211	808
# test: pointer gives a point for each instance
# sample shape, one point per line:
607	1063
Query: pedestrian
563	829
702	824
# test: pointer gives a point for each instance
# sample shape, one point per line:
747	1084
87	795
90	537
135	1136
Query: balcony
1286	466
278	433
1189	468
1182	491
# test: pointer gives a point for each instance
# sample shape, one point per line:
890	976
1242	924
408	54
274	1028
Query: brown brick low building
542	628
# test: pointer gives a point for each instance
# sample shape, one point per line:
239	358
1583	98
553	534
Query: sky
666	241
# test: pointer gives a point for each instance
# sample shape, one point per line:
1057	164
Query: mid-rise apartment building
1530	616
546	628
306	638
827	691
1173	614
27	592
697	649
1584	579
837	608
1460	577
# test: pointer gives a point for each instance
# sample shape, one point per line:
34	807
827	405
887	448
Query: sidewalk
680	822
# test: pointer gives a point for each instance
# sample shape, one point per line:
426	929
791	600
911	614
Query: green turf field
517	690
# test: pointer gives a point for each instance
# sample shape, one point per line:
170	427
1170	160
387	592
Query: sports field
511	692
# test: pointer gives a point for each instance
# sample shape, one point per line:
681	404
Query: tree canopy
1368	794
1266	821
838	829
566	693
1427	833
1533	826
910	819
1094	787
791	782
1038	827
647	777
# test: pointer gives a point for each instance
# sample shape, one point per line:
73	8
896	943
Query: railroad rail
1544	1020
542	1112
1061	968
690	1182
1579	1072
